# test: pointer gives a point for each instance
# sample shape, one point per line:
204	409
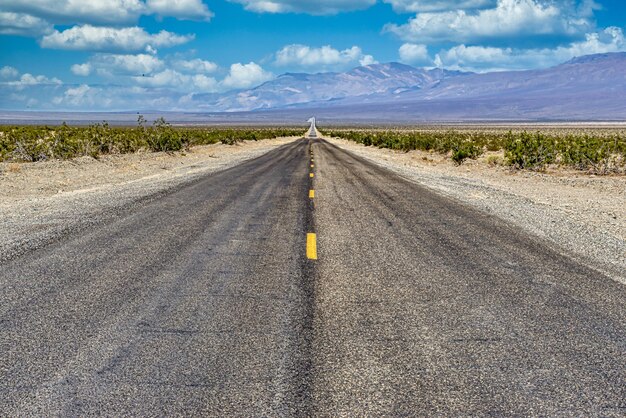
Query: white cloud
414	54
109	64
509	18
28	79
94	38
195	66
7	72
324	57
72	11
169	78
107	11
81	96
315	7
243	76
165	78
412	6
142	65
481	58
23	24
367	60
147	70
203	83
81	69
182	9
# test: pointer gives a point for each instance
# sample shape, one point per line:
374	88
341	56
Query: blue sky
157	54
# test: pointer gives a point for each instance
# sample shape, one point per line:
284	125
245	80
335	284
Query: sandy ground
583	214
40	202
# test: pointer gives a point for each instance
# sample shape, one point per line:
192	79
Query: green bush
593	154
463	150
161	137
35	143
531	151
31	144
596	151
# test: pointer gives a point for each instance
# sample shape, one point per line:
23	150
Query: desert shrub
463	150
162	137
494	160
35	143
229	138
598	155
7	145
529	151
30	144
593	150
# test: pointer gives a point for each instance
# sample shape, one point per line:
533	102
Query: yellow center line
311	194
311	175
311	246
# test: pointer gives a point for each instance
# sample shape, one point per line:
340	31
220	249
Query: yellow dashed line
311	194
311	246
311	175
312	166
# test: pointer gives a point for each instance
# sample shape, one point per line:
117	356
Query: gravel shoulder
41	202
584	215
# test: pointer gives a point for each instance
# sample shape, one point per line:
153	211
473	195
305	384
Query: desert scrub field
37	143
597	151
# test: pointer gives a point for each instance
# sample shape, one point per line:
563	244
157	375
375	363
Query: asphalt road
207	301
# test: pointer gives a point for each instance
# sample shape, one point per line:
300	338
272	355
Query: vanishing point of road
308	282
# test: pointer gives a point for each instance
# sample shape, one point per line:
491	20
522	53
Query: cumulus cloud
23	24
508	19
169	78
82	95
166	78
414	54
72	11
243	76
315	7
181	9
412	6
81	69
149	70
28	79
195	66
324	57
95	38
484	58
176	75
7	72
107	11
110	64
367	60
110	97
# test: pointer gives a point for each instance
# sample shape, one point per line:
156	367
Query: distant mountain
300	89
591	87
588	75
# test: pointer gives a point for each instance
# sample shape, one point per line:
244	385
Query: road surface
308	282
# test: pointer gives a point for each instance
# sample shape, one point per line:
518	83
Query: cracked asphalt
203	303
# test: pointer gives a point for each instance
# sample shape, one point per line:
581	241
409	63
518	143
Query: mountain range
591	87
300	88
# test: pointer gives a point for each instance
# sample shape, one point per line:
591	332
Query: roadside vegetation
37	143
597	151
